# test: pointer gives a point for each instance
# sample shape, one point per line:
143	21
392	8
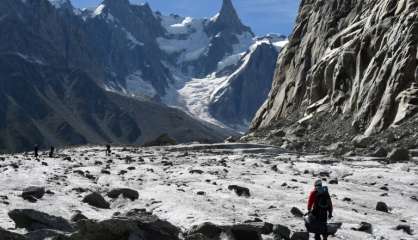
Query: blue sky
263	16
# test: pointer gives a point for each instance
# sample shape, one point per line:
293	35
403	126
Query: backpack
321	199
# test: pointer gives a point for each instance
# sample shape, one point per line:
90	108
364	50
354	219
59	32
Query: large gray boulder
281	232
96	200
206	229
382	207
33	193
398	155
135	224
245	232
34	220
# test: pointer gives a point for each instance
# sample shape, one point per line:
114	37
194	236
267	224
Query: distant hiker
51	152
108	151
320	209
36	149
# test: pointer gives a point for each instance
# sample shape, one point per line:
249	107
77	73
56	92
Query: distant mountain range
108	74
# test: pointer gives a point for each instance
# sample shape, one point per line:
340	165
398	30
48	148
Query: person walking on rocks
51	152
108	151
320	207
35	151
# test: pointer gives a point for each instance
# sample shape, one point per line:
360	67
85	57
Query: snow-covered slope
206	56
168	186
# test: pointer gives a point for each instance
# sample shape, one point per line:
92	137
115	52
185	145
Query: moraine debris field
257	187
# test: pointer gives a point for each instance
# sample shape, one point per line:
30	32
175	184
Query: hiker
108	151
51	152
320	206
36	149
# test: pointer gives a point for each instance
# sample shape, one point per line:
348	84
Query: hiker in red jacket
320	206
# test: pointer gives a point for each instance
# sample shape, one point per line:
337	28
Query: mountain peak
227	20
228	9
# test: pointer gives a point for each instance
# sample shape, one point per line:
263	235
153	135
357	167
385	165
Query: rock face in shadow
237	102
357	58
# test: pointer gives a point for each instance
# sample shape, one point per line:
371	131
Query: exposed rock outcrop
352	58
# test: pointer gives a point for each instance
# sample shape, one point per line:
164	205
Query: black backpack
322	200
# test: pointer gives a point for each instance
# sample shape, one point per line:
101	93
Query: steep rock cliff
357	58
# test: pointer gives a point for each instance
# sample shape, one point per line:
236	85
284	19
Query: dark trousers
322	217
318	236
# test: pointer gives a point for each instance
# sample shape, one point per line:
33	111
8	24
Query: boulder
398	155
162	140
300	236
382	207
364	227
78	216
240	191
125	192
281	232
245	232
263	227
296	212
333	181
332	228
135	224
256	225
207	229
33	193
380	153
405	228
96	200
34	220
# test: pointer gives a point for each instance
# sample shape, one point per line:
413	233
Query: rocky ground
334	134
242	189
